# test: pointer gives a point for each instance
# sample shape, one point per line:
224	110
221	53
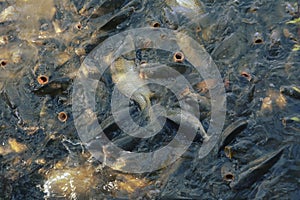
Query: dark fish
117	19
7	100
107	26
170	18
231	132
255	170
160	71
238	150
54	87
292	91
228	172
11	105
95	9
5	188
245	101
291	121
187	120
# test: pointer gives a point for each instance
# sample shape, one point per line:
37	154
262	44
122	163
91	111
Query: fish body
255	170
126	77
53	87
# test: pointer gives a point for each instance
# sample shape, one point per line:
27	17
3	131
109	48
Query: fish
54	87
188	8
238	150
255	170
228	172
231	132
125	76
183	118
292	91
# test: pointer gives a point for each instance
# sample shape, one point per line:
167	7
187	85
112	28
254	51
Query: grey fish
292	91
53	87
255	170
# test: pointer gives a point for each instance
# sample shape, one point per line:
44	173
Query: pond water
201	65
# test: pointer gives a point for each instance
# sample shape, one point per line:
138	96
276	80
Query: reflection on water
254	44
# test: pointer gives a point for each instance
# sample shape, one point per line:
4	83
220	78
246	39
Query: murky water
253	44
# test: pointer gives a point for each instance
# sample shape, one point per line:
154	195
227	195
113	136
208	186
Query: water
251	44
